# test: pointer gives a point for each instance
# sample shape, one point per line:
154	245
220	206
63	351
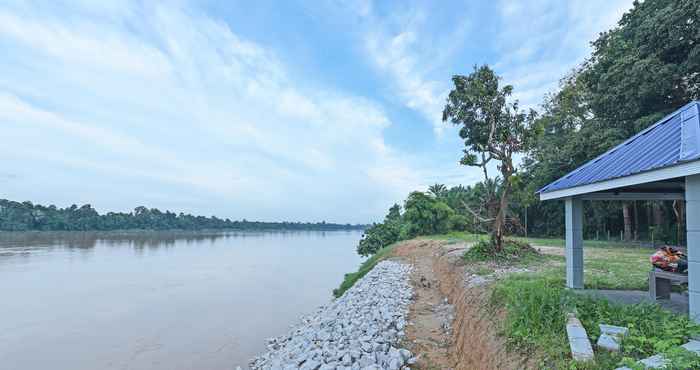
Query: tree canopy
639	71
493	129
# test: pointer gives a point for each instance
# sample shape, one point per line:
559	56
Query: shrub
426	215
513	250
378	236
458	222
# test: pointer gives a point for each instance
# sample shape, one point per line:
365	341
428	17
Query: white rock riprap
359	330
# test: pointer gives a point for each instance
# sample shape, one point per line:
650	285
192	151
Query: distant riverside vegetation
25	216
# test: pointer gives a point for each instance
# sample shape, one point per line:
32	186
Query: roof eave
669	116
679	170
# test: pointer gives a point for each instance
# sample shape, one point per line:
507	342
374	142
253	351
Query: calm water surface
159	300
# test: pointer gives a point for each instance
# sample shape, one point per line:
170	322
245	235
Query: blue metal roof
674	139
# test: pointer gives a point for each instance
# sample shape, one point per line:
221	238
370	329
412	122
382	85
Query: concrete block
654	362
611	337
581	349
693	346
619	331
609	342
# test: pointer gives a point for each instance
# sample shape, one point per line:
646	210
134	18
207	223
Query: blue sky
265	110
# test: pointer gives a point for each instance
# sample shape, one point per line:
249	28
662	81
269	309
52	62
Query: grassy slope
536	303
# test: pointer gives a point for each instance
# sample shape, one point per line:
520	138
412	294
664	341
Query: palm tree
438	190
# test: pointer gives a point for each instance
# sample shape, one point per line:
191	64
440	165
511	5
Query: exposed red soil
460	333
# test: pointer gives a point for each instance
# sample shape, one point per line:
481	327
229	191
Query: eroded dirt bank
450	324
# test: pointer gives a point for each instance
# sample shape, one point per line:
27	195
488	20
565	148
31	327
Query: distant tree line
26	216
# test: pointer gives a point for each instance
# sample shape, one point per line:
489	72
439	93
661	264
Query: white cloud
184	107
400	49
541	41
393	56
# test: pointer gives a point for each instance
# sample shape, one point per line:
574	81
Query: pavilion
660	163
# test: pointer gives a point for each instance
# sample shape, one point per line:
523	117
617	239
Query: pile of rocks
359	330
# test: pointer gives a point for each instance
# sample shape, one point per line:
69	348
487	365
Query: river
159	300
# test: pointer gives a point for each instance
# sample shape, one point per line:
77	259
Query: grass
351	278
536	307
557	242
456	237
461	236
605	268
617	268
536	304
608	265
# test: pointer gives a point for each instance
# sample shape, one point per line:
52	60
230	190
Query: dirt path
430	318
450	326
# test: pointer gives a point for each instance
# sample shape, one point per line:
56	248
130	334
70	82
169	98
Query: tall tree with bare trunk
493	128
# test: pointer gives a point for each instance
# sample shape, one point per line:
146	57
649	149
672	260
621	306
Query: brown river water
159	300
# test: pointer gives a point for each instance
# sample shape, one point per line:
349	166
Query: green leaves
379	236
426	215
535	311
489	122
646	66
469	159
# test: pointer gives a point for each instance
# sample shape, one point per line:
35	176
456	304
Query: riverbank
509	314
359	330
411	298
464	312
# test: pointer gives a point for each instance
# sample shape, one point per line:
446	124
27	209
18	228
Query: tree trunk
658	211
636	220
627	216
499	222
679	210
648	206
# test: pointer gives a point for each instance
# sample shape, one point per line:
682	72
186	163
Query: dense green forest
24	216
641	70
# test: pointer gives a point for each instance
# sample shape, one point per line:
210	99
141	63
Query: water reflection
13	243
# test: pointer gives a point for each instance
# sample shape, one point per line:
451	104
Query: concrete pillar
692	219
574	243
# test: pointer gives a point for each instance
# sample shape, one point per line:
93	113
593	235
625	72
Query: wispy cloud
401	47
541	41
187	104
535	44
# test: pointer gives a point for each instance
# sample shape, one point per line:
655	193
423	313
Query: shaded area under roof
672	140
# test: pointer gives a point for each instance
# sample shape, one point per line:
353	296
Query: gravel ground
359	330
